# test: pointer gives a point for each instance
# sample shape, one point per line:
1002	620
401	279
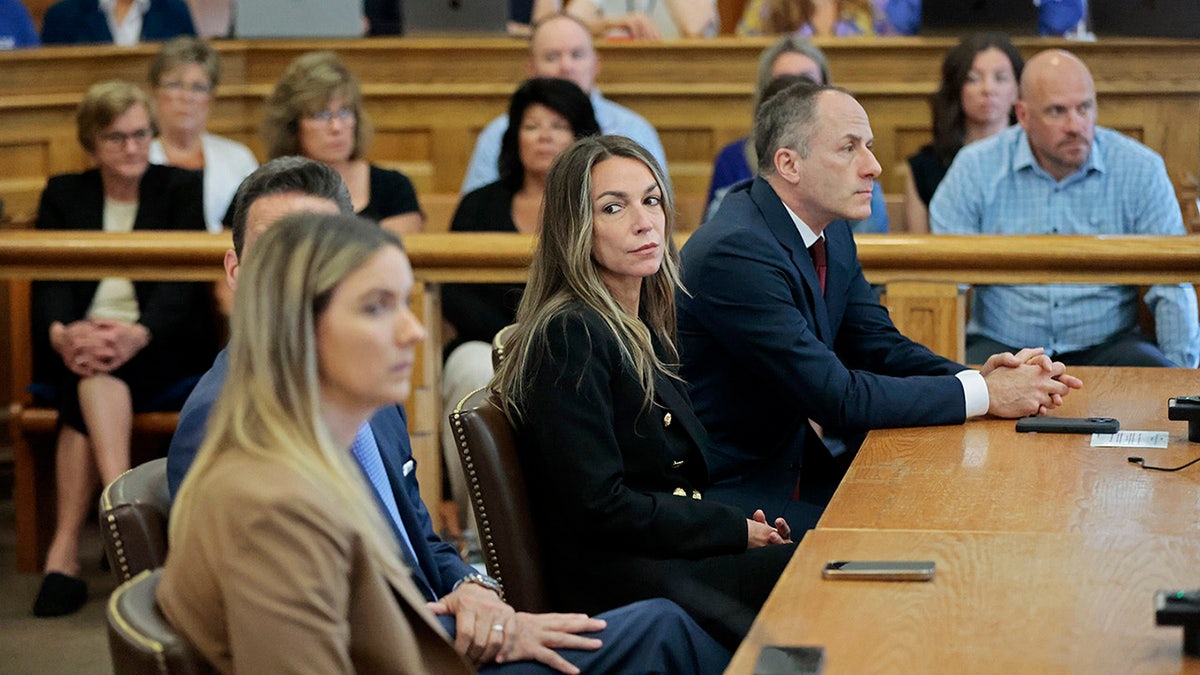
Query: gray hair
787	120
788	44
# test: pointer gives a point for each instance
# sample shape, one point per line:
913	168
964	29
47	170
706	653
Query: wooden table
1048	550
1001	602
984	476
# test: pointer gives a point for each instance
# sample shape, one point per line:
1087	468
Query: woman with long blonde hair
280	559
612	451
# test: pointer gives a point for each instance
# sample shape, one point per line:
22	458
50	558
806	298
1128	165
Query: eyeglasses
117	139
327	116
178	87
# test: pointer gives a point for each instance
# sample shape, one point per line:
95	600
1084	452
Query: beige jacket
272	577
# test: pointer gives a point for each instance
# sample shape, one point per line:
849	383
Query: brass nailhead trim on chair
481	517
118	543
154	646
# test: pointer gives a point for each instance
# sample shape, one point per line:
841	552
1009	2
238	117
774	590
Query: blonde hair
564	272
103	103
269	406
306	86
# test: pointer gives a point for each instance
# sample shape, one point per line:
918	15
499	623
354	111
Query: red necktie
817	251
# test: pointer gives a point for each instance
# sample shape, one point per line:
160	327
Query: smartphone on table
1069	425
879	570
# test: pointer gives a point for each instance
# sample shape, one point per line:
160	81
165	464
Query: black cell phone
879	570
1069	425
778	660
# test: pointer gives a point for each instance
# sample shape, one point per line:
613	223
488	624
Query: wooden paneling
428	98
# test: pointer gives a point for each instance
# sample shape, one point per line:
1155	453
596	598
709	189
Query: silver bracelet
483	580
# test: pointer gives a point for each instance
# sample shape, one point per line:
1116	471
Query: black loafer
60	595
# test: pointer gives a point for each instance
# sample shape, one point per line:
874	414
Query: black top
479	311
617	488
927	172
392	194
177	313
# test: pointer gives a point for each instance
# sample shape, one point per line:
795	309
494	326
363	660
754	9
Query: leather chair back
488	450
139	637
500	343
134	510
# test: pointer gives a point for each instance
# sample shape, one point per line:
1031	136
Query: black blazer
612	483
178	314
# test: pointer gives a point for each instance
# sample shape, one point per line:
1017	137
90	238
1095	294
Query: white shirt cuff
975	392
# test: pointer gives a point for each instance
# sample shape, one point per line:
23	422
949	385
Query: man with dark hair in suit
774	336
652	636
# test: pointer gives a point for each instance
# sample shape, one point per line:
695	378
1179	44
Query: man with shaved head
1056	172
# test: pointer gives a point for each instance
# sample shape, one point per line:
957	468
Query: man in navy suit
652	636
771	344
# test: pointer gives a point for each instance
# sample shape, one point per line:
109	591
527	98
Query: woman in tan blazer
280	559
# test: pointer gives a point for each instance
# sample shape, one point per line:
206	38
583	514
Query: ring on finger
498	627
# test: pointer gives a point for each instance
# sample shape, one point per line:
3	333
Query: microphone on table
1180	608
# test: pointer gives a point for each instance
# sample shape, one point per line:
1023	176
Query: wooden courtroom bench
921	274
429	97
32	429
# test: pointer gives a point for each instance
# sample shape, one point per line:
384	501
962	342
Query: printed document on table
1131	439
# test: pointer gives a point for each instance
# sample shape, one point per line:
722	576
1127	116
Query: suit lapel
842	259
149	185
87	212
385	434
785	232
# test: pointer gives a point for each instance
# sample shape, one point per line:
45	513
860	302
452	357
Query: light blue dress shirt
612	118
995	186
366	452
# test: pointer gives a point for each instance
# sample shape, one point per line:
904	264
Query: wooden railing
474	257
429	97
921	275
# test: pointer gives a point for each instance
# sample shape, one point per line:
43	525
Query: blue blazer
764	351
81	21
440	564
